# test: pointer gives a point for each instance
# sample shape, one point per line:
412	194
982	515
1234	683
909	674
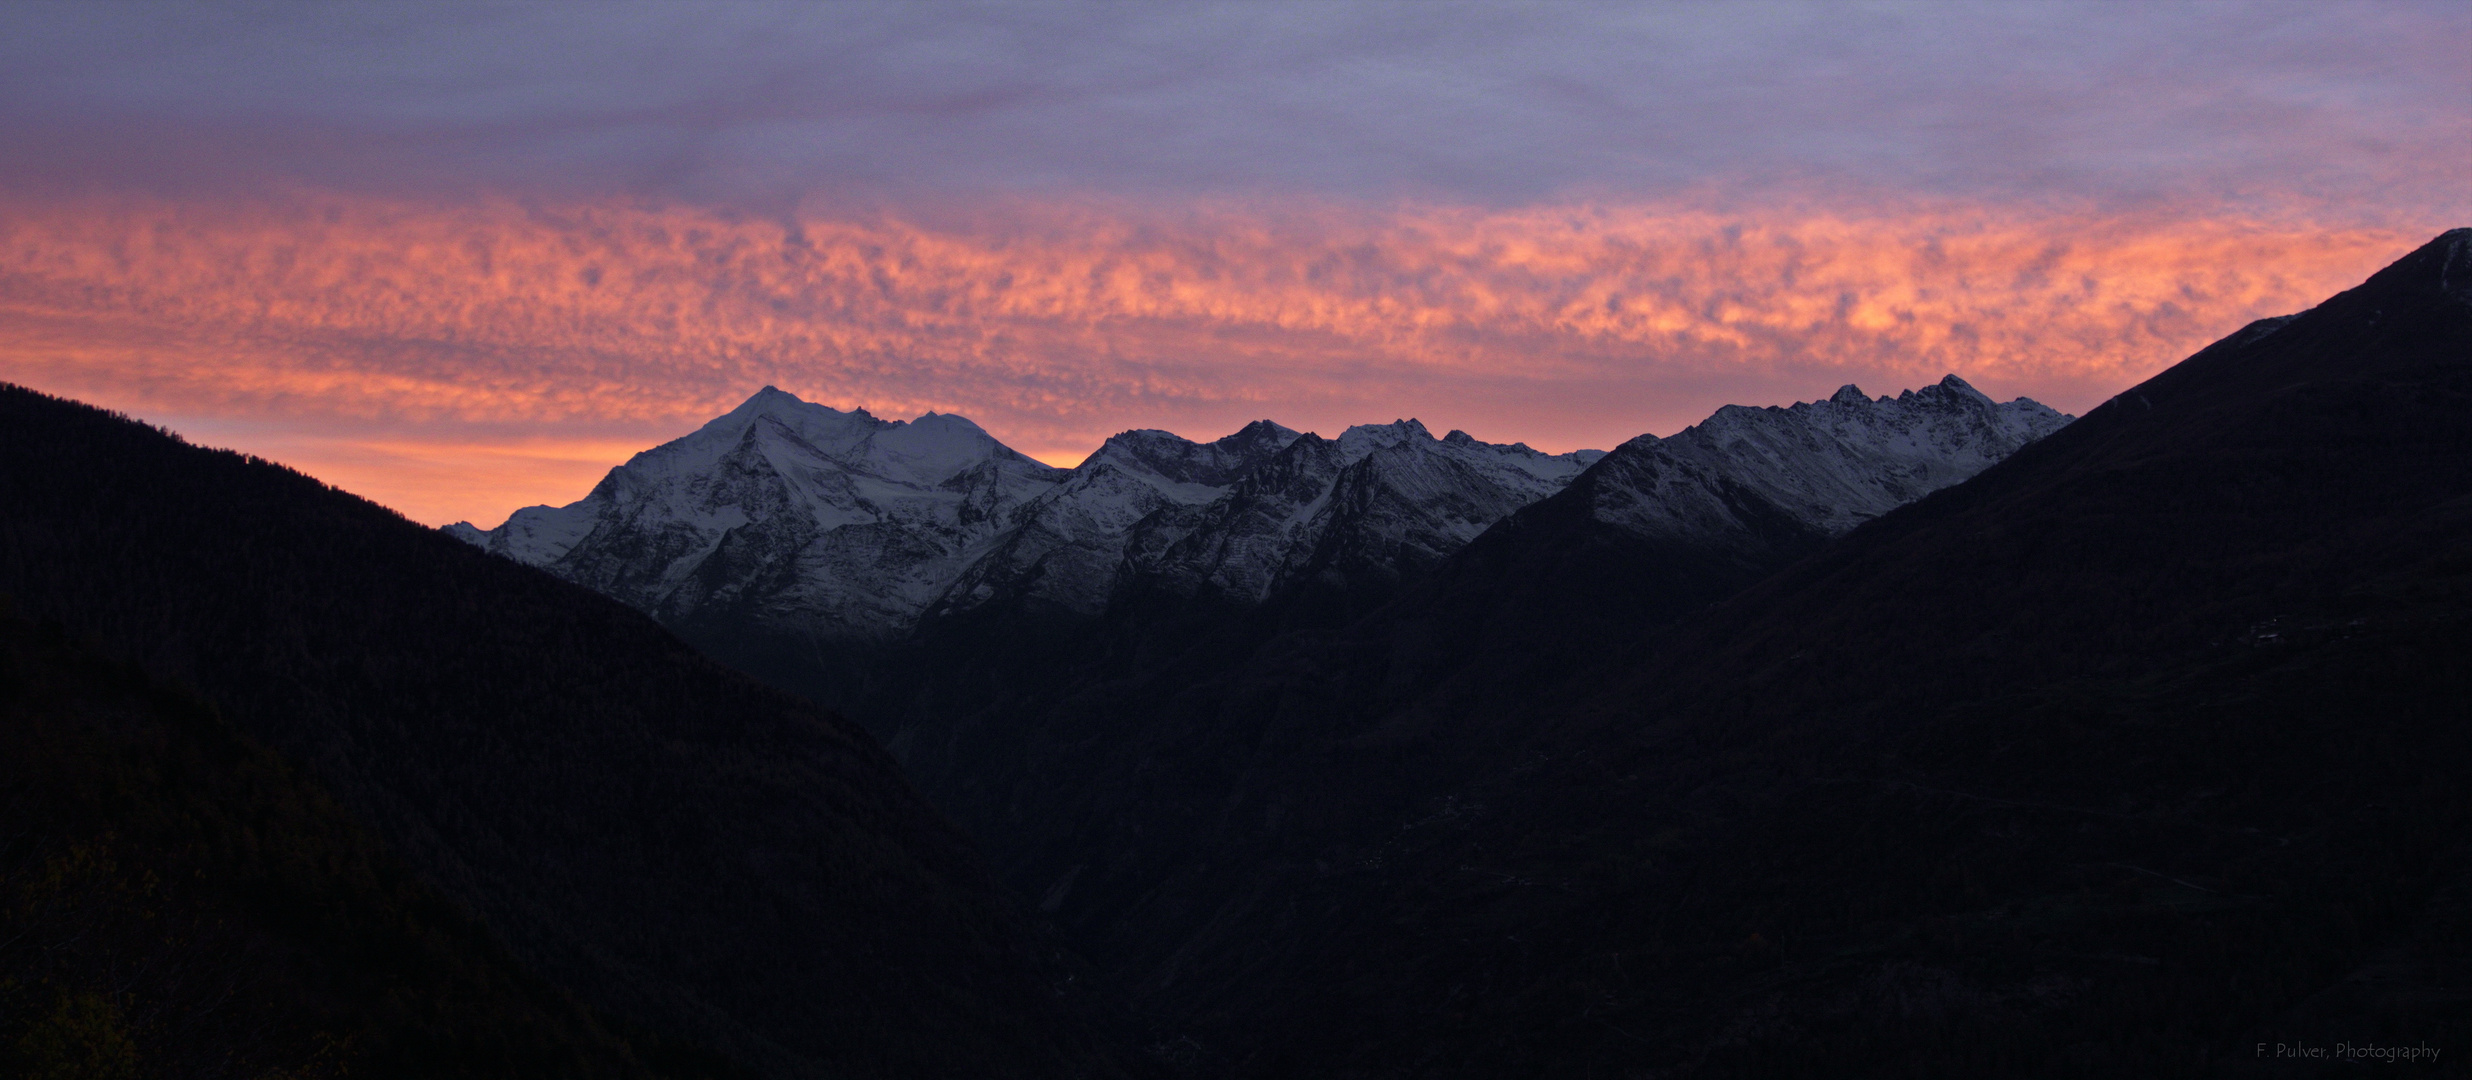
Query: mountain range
1871	736
800	518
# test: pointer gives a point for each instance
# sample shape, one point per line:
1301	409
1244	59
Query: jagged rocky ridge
796	517
1827	465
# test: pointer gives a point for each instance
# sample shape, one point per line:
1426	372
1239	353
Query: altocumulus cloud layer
461	258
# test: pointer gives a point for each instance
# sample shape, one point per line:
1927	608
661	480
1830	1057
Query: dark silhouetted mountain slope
177	901
678	845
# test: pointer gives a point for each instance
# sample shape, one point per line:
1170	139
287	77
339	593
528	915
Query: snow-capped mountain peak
1363	439
865	519
1177	460
1829	465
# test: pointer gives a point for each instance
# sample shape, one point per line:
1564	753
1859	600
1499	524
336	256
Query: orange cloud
459	360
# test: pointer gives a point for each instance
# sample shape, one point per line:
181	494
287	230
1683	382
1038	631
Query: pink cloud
395	345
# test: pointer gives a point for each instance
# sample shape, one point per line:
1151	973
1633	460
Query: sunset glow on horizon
435	327
456	351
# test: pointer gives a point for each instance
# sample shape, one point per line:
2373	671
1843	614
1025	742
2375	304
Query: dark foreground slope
178	901
679	846
2139	750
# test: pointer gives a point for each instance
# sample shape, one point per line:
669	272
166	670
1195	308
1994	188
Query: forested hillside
178	901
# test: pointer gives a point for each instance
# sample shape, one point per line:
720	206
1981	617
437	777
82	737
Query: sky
465	258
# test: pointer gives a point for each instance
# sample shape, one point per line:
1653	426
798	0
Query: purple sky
2335	104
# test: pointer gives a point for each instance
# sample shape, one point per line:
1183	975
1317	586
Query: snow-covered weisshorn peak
796	516
786	510
1827	465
